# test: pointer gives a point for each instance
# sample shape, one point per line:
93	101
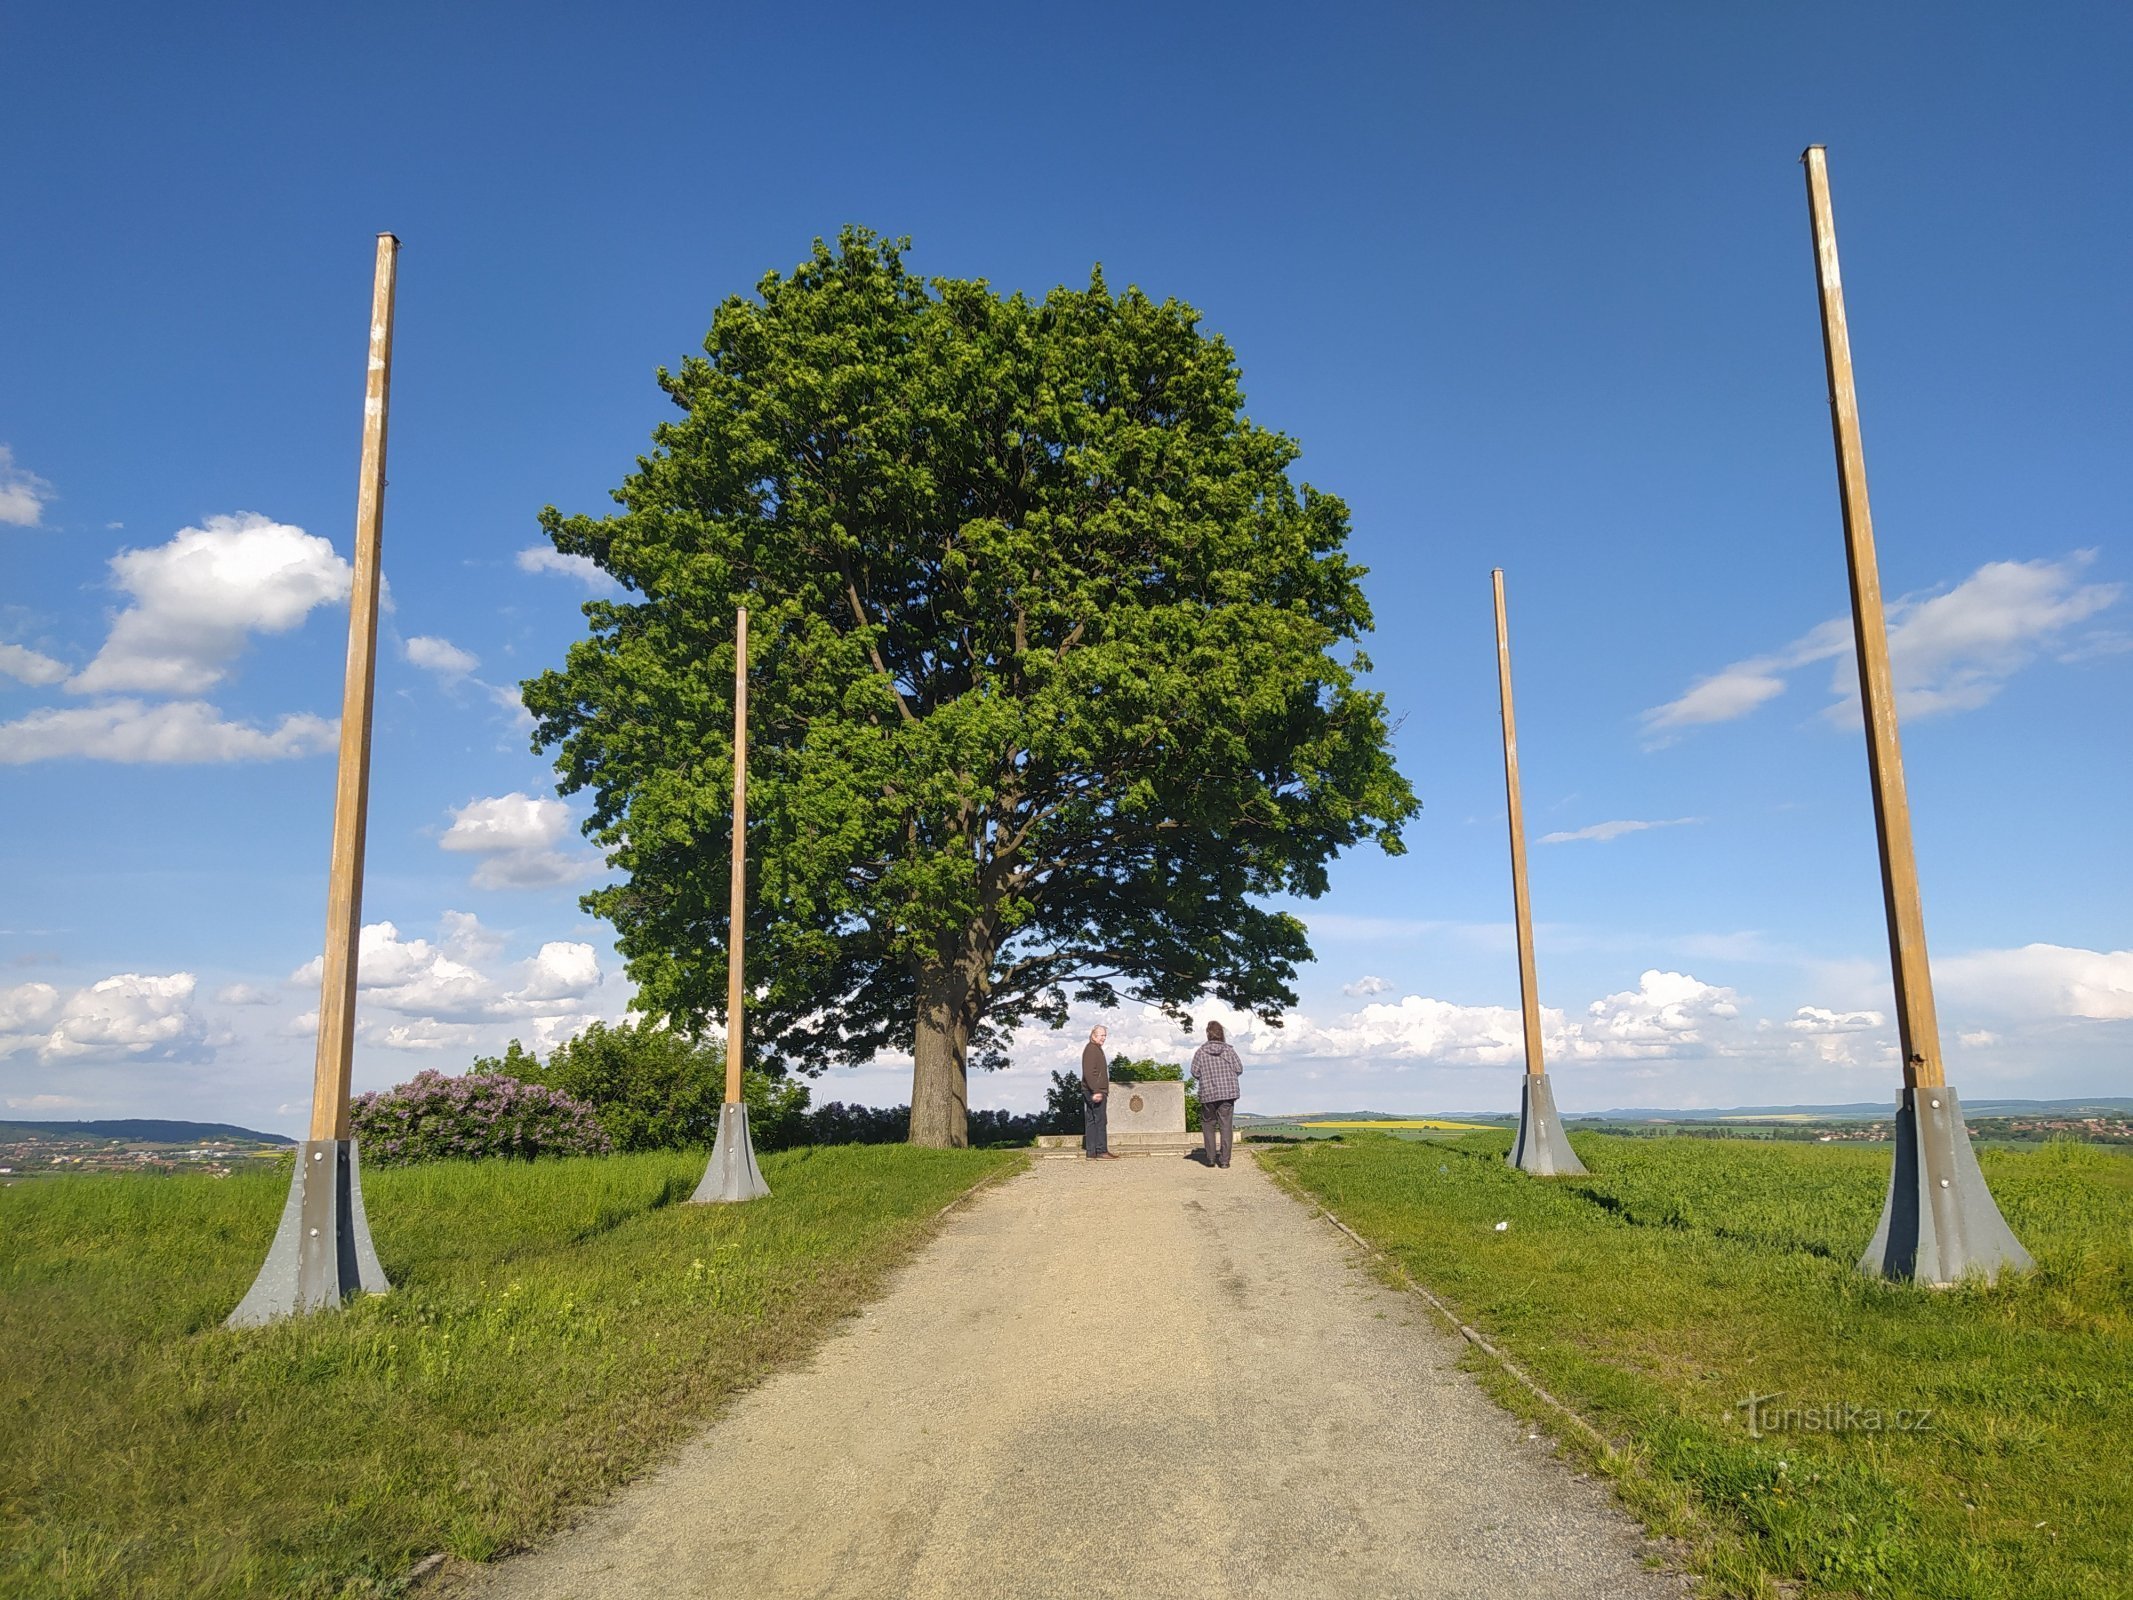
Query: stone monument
1146	1119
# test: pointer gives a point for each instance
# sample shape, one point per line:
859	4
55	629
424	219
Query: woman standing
1216	1069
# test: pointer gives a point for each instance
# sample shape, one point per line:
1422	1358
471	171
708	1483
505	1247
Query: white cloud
177	731
561	971
509	699
1731	692
441	656
441	985
1413	1027
1369	983
1952	652
546	558
1667	1013
506	822
1736	690
382	958
26	1015
23	495
1672	1040
417	979
1839	1039
1948	652
242	994
25	665
466	939
515	834
1819	1020
197	598
47	1102
1601	832
422	1033
130	1016
2042	982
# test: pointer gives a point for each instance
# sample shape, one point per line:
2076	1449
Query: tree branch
859	616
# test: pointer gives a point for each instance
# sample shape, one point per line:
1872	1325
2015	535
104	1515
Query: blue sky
1530	285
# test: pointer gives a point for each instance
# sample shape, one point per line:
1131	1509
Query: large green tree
1053	670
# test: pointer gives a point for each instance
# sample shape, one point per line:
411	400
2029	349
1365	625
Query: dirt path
1136	1378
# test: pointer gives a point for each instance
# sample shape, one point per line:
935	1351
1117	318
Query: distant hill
151	1129
1871	1109
1867	1109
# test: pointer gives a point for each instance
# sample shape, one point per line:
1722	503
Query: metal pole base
322	1252
732	1175
1542	1147
1940	1222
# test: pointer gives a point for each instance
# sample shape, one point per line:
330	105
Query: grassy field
1686	1276
554	1326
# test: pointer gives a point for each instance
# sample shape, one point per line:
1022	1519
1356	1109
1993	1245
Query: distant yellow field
1407	1122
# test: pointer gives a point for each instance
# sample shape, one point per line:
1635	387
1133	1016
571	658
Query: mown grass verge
1686	1276
553	1327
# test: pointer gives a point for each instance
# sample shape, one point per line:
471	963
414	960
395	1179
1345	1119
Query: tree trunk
940	1062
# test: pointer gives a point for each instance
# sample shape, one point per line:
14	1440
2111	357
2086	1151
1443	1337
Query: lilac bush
435	1118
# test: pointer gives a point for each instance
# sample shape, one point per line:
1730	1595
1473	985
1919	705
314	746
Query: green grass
553	1327
1687	1275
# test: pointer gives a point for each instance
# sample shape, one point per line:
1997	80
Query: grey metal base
322	1252
732	1174
1542	1147
1940	1222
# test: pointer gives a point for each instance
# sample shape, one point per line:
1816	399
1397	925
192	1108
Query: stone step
1124	1144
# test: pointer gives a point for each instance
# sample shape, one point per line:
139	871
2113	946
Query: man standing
1216	1069
1095	1090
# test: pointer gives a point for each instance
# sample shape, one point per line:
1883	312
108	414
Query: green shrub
480	1114
655	1089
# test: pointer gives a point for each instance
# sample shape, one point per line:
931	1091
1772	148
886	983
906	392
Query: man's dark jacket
1095	1071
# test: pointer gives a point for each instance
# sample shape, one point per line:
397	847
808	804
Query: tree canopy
1053	672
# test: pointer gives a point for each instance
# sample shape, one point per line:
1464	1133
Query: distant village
2101	1127
41	1155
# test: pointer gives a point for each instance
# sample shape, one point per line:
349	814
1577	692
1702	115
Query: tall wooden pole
1939	1223
322	1252
1916	1023
737	907
1528	984
351	801
732	1174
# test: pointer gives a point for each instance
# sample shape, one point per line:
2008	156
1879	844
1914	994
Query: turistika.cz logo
1767	1413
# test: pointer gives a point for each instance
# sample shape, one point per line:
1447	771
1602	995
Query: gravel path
1138	1378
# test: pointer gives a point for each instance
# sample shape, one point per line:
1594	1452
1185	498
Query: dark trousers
1095	1119
1216	1119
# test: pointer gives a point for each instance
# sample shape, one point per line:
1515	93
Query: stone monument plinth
1148	1108
1146	1119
